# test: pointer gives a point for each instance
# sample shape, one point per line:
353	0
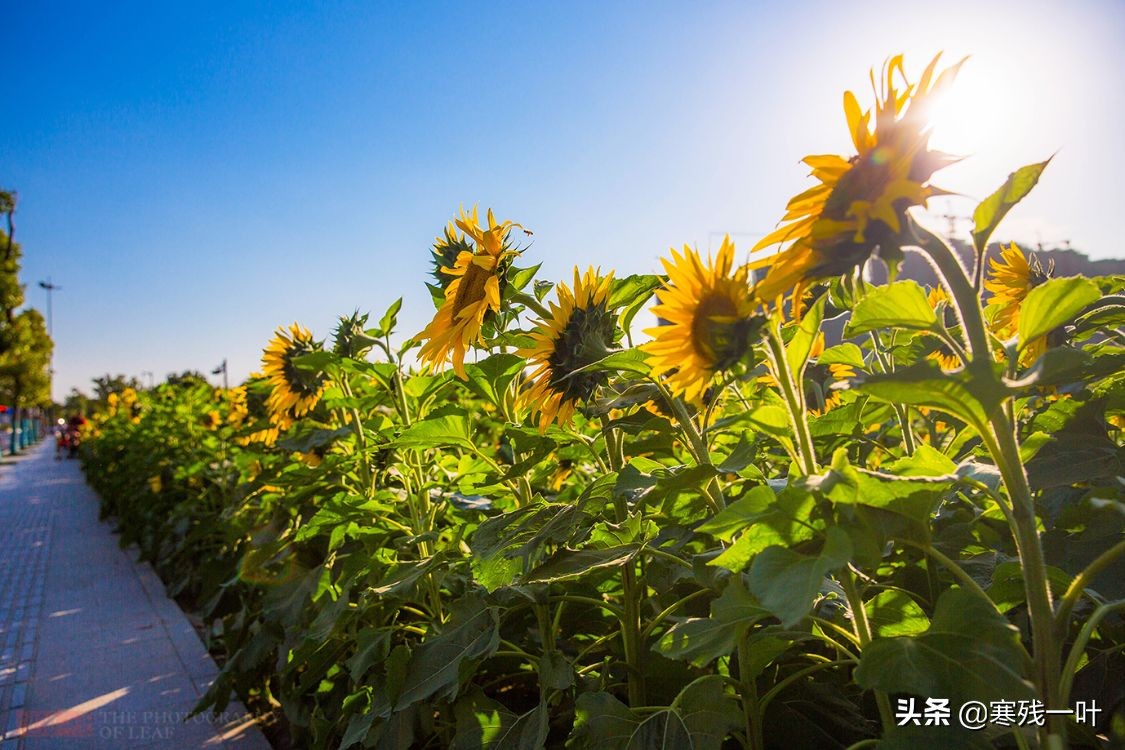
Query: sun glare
974	114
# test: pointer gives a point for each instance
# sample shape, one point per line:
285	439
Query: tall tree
11	290
25	346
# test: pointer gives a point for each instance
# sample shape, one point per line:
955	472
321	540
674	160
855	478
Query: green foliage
415	563
995	207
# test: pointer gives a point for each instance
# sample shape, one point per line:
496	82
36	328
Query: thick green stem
1000	438
751	710
965	300
630	591
1045	647
863	634
631	636
794	400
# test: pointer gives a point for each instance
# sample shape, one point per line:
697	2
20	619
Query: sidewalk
93	654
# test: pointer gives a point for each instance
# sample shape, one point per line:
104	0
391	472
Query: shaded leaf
787	582
969	652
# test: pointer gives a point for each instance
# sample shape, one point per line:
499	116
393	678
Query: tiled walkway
93	654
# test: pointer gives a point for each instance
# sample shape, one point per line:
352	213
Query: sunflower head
1009	280
350	338
472	292
858	206
295	390
212	420
708	319
445	252
580	331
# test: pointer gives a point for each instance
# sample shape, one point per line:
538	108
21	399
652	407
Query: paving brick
93	653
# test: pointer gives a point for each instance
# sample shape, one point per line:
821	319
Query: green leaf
846	353
315	361
1053	303
491	377
700	640
902	304
601	722
556	671
740	514
627	360
390	317
450	430
894	613
787	582
1008	589
987	215
742	456
701	718
484	724
784	521
969	652
708	713
518	278
568	563
971	396
631	293
798	349
1065	364
438	666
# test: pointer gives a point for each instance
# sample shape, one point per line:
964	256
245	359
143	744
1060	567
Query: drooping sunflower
858	206
1009	280
710	320
295	391
471	295
580	331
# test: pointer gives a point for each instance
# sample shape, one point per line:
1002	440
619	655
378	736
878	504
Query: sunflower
471	295
710	320
446	250
857	207
212	420
1009	280
945	357
580	332
239	410
295	391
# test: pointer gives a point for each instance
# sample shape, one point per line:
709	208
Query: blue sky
194	176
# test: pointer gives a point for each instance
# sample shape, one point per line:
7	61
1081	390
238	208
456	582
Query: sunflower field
533	524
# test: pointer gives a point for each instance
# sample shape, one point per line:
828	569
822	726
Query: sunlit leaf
1053	303
987	215
902	304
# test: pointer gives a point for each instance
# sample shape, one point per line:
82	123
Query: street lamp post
51	289
222	369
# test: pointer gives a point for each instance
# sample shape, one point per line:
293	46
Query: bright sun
974	114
